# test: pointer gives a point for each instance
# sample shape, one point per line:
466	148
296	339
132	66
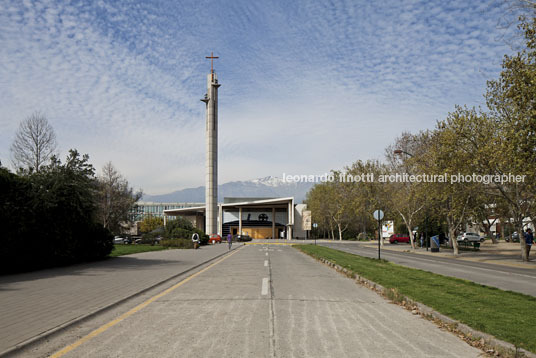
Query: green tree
512	102
447	154
317	201
368	193
407	198
115	198
150	223
50	216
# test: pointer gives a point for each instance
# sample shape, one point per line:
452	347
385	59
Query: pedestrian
529	240
230	240
422	239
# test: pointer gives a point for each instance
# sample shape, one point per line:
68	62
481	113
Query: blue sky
307	86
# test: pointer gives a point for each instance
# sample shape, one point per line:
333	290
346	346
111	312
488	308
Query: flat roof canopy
259	204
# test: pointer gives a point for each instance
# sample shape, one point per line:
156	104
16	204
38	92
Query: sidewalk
35	303
503	253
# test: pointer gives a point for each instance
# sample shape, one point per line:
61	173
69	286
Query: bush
178	243
183	229
180	233
48	217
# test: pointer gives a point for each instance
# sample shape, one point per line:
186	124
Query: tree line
497	141
53	212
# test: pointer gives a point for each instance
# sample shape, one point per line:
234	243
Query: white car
469	237
121	240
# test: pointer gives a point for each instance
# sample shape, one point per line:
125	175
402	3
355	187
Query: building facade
142	209
260	218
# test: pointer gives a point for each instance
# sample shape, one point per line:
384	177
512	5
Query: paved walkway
35	303
273	301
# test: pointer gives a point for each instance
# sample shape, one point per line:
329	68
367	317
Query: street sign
315	225
378	215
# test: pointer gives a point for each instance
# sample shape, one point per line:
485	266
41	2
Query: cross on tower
212	57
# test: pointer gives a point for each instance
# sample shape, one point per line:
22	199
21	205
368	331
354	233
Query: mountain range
269	187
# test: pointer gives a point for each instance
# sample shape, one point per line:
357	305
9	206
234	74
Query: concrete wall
299	233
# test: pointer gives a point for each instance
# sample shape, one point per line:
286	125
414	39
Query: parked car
242	238
469	237
149	240
214	238
122	240
396	238
514	237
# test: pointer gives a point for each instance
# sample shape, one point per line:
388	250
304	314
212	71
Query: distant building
260	218
143	209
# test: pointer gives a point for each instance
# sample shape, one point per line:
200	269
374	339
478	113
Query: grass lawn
507	315
121	249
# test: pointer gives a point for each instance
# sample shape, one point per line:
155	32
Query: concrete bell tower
211	161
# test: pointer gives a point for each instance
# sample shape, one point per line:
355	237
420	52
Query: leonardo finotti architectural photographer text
406	178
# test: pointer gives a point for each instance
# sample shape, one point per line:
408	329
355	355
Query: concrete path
271	301
516	279
32	304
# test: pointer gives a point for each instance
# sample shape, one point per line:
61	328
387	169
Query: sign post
378	215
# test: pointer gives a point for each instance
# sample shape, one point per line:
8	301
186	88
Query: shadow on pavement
95	268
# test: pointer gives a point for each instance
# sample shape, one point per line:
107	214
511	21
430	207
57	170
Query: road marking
264	290
139	307
265	263
266	254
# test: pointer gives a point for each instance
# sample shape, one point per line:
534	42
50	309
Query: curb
60	328
487	341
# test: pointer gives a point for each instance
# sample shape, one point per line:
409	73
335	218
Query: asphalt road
500	276
260	301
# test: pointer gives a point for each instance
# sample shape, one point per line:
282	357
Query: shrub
183	229
48	217
178	243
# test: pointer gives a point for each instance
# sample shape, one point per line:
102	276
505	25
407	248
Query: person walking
529	240
230	240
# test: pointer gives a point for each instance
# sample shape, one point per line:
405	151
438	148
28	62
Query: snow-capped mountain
269	187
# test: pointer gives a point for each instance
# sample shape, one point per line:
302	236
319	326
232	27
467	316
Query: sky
307	85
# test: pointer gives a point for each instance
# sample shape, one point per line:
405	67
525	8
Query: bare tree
116	198
34	144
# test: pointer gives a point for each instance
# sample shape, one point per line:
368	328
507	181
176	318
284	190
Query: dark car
514	237
241	238
396	238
